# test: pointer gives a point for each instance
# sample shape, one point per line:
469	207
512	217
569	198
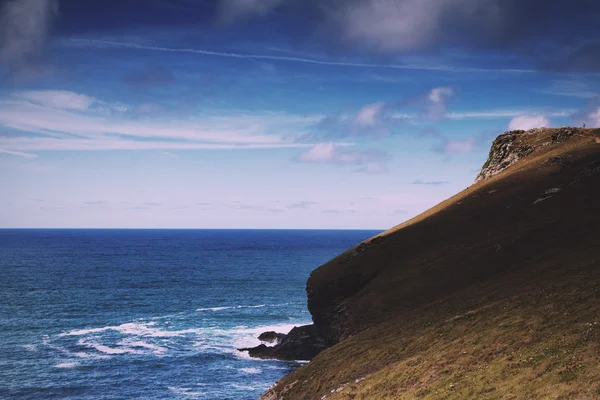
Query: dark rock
271	337
563	134
302	343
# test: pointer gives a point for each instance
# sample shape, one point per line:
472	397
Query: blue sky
273	113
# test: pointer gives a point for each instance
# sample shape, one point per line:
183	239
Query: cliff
494	293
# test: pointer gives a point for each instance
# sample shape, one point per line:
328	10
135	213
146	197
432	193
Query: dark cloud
153	75
24	27
102	16
585	58
405	26
534	29
232	10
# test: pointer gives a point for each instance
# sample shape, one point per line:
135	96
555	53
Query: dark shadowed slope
494	293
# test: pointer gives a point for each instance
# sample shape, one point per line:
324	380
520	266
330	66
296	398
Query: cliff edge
494	293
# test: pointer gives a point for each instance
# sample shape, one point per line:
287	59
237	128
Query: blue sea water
151	314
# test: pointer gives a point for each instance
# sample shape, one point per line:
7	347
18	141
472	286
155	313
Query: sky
329	114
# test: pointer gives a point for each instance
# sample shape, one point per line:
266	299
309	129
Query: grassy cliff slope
492	294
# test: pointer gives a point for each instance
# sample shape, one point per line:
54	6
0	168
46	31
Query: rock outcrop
271	337
302	343
510	147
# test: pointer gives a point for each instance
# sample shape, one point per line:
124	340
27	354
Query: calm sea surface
151	314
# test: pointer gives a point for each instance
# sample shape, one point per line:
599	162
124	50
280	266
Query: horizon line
196	229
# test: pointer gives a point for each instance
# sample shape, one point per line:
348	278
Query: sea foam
67	365
230	307
251	371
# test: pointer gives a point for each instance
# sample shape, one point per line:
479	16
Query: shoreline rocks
271	337
301	343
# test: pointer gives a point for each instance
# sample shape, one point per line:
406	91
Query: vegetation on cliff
492	294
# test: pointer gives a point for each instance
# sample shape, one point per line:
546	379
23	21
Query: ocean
151	314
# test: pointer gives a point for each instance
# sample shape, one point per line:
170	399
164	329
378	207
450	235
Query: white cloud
24	25
437	98
407	25
528	121
440	94
60	99
373	168
458	146
333	153
571	88
55	144
320	153
371	120
64	120
19	154
507	114
147	109
593	119
367	116
389	24
304	60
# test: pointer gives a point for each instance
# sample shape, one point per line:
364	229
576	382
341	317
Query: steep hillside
494	293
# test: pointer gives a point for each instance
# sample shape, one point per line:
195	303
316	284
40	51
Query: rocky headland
492	294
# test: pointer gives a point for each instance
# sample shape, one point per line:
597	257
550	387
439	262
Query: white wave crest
107	349
251	371
139	344
67	365
186	392
150	337
30	347
232	307
133	328
67	353
246	387
81	332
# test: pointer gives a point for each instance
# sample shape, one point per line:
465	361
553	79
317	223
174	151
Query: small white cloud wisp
529	121
60	99
367	115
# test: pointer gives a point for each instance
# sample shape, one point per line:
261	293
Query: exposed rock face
302	343
510	147
504	152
